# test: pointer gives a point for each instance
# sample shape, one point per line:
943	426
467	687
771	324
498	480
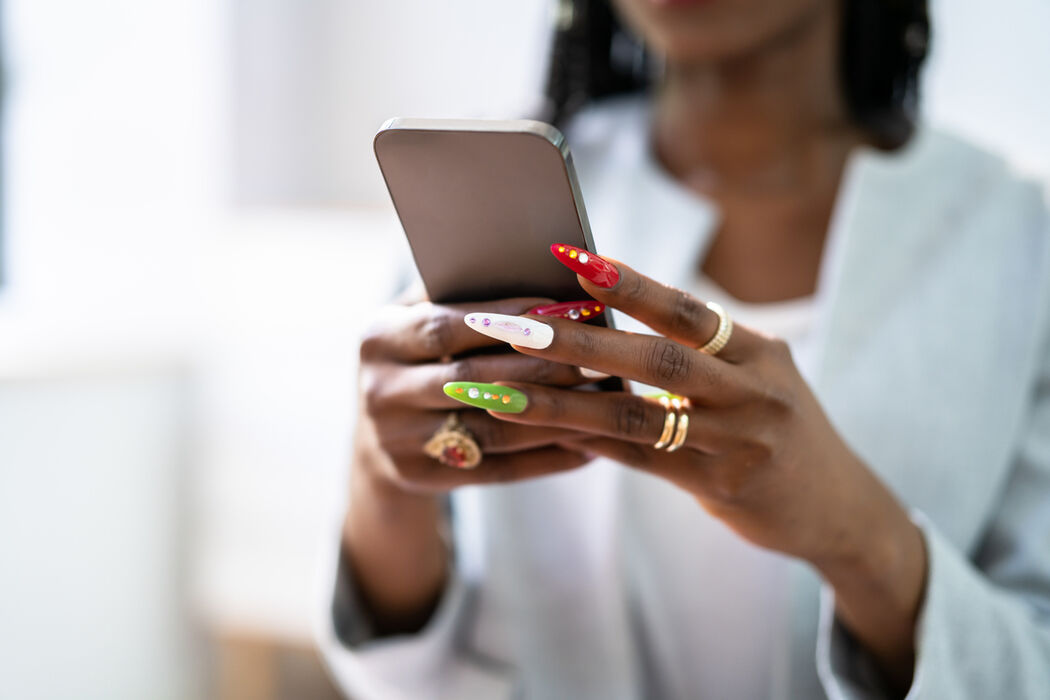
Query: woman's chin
685	46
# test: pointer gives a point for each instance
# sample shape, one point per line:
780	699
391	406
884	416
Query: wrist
380	508
879	584
881	547
394	543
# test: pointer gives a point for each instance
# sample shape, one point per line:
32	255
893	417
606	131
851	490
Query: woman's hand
392	533
759	454
406	359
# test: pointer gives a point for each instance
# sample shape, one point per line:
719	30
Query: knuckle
372	394
634	289
687	314
584	342
464	369
435	333
776	402
553	407
668	361
631	417
778	349
490	433
372	344
730	486
544	371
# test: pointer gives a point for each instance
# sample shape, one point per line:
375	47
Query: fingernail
490	396
589	265
589	373
572	310
512	329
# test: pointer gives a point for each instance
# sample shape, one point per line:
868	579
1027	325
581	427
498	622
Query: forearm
879	589
393	541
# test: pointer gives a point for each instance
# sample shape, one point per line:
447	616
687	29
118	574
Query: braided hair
884	44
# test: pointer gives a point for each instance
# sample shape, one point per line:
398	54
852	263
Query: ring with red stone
453	445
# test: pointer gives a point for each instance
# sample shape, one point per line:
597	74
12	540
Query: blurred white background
194	235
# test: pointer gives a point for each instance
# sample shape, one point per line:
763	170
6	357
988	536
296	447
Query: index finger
426	332
668	311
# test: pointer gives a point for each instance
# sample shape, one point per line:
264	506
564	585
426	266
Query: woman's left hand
760	454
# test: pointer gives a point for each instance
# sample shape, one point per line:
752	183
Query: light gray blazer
933	361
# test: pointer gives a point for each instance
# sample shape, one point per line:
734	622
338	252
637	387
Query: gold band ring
683	425
453	445
721	337
669	423
676	423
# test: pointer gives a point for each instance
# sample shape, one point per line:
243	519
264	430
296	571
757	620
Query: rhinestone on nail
584	257
473	392
486	322
574	314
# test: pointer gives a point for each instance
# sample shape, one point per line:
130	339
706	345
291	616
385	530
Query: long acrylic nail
589	265
491	396
572	310
511	329
588	373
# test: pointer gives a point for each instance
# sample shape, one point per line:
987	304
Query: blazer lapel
924	244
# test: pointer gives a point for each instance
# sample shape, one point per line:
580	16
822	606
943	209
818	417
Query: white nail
588	373
511	329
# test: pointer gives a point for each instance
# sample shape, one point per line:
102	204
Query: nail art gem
511	329
490	396
572	310
589	265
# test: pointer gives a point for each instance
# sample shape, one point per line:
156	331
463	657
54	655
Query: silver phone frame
546	131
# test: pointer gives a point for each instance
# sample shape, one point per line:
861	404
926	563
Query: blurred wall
93	479
314	81
989	74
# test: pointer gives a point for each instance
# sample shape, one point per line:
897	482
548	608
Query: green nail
490	396
660	394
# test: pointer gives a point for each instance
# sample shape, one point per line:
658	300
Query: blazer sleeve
984	628
429	664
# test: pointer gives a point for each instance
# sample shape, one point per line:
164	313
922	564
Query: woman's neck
756	121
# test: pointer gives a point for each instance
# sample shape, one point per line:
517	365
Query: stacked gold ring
676	423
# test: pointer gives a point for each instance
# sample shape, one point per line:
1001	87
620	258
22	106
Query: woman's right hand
392	532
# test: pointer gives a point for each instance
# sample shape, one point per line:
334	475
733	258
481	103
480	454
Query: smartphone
481	202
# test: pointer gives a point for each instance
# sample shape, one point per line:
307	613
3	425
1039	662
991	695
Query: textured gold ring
721	337
453	445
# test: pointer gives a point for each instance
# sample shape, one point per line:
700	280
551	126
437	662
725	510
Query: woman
860	503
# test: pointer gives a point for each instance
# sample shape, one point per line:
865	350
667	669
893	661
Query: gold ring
683	424
669	421
721	337
453	445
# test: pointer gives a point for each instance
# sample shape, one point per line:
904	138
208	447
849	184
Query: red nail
572	310
587	264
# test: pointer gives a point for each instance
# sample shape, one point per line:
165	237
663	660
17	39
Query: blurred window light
314	80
